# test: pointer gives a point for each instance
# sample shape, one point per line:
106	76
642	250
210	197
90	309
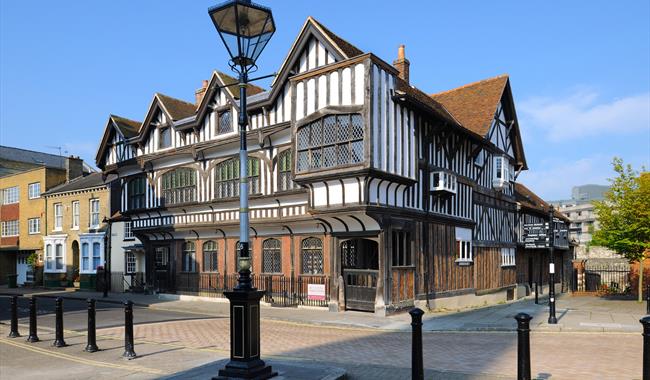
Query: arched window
227	178
85	256
179	186
225	123
136	193
271	256
210	252
330	141
189	257
285	182
250	255
312	256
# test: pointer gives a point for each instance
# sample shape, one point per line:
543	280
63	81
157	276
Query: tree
624	215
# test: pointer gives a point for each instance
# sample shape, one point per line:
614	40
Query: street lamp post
245	28
551	270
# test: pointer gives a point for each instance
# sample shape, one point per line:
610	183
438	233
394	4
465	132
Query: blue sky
580	70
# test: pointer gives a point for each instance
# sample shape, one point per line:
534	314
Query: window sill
464	262
508	265
129	239
74	229
34	233
54	271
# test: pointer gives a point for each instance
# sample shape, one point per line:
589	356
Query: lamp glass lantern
245	28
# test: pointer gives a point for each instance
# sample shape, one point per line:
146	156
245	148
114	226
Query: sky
579	70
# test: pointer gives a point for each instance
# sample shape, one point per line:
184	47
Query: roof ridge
30	150
471	84
173	98
336	38
124	118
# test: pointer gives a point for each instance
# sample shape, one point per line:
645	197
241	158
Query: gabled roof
89	181
474	104
176	109
127	127
415	94
346	47
531	201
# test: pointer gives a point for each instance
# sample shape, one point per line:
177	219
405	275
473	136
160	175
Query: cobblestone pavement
554	355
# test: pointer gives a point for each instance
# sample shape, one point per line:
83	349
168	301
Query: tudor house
358	180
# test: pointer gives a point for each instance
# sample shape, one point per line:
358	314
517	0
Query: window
189	257
94	213
97	255
330	141
480	159
58	257
34	190
507	257
34	225
284	171
312	256
464	245
136	193
501	172
164	138
10	195
210	252
48	256
443	182
128	232
402	249
227	178
225	123
271	257
179	186
162	257
58	216
75	215
237	255
129	257
85	257
10	228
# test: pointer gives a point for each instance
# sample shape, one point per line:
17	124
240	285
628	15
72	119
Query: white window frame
58	216
48	257
508	257
10	228
10	195
464	244
94	213
34	226
501	175
34	190
75	215
128	231
130	262
59	253
91	239
446	181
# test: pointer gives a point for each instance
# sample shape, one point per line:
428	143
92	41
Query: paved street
171	343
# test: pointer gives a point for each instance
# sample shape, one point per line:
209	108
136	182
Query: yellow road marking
82	360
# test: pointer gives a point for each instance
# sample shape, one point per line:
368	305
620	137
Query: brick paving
554	355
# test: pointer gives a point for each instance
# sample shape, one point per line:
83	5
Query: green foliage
624	214
32	259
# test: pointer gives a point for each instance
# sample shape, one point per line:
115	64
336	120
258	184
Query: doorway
163	281
360	269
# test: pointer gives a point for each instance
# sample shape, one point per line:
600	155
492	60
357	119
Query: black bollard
92	336
536	295
523	346
647	299
14	318
645	321
417	365
58	340
129	353
33	337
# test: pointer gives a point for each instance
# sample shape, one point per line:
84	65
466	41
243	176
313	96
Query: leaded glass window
284	171
136	193
227	178
271	256
331	141
210	252
312	256
225	122
179	186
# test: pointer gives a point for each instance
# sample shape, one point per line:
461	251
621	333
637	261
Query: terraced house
365	192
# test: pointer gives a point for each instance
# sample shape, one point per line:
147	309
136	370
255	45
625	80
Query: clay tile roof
177	109
414	93
474	104
251	89
349	49
530	200
128	127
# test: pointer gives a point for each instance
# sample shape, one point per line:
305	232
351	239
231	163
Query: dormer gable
117	130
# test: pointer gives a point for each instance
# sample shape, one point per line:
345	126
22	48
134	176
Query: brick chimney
402	64
74	167
200	93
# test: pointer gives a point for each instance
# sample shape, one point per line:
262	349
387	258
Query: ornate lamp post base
245	362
